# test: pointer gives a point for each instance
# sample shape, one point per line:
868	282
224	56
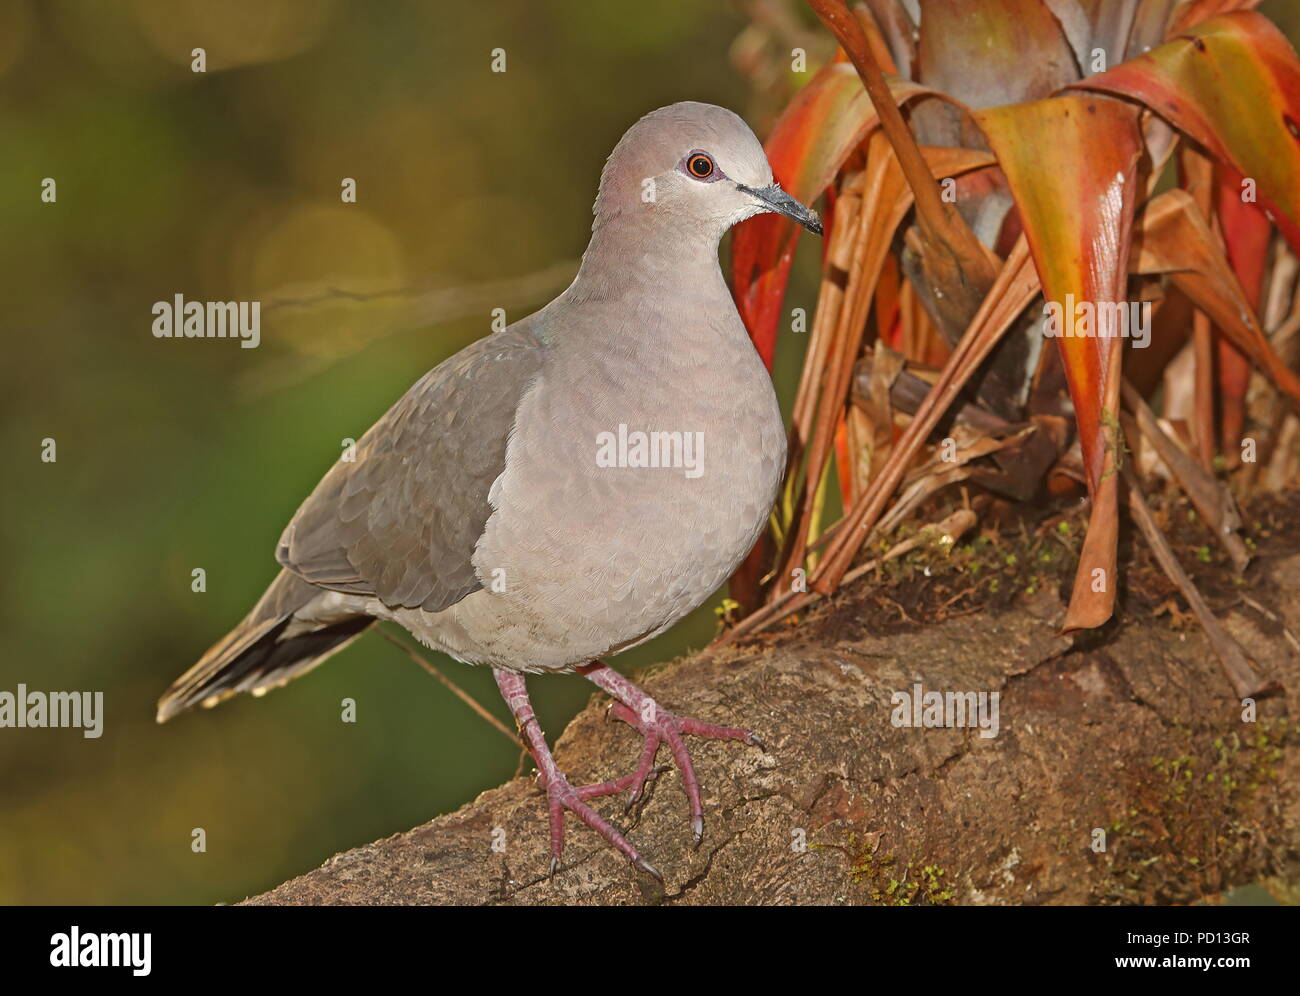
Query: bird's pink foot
659	726
560	794
634	784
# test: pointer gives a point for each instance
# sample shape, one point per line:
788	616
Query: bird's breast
636	480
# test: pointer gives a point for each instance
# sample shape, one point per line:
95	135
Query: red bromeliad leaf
827	120
1233	84
1071	165
1247	236
1202	10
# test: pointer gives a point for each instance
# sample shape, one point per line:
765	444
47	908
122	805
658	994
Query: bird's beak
773	198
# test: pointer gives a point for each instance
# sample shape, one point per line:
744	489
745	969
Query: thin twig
456	690
432	304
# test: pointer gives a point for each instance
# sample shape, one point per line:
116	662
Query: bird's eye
700	166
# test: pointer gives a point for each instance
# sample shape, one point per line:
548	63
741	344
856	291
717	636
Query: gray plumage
435	454
476	513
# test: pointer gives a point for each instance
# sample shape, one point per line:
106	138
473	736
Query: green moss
1192	808
893	883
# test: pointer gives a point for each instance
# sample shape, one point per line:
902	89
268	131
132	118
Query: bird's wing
400	521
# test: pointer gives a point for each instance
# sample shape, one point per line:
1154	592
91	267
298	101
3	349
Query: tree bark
1130	739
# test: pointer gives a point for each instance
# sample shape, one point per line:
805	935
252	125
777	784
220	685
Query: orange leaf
1071	165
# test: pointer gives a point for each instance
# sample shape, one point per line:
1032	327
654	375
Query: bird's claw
560	795
638	786
657	725
649	869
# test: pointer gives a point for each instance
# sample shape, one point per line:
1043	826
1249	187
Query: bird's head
694	169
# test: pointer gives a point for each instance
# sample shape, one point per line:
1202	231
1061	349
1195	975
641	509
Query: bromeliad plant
1051	199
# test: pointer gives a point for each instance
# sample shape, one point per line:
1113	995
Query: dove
562	489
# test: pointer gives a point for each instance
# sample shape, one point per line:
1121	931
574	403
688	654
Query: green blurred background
174	455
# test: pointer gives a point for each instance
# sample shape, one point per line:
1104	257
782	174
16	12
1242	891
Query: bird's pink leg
658	725
560	795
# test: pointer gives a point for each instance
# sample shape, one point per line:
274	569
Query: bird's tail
291	629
